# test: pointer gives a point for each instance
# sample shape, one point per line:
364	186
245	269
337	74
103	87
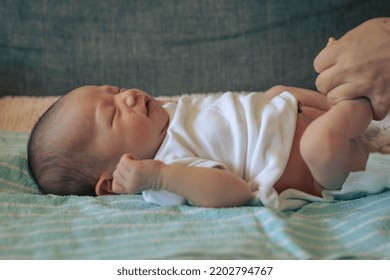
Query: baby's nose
128	97
129	100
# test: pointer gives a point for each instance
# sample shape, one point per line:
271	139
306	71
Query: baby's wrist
158	175
164	177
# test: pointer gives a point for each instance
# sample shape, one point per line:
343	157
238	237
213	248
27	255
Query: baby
215	151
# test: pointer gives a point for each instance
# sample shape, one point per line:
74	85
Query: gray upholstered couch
169	46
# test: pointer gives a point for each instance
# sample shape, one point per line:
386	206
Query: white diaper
375	179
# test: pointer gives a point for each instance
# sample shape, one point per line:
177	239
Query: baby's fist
133	176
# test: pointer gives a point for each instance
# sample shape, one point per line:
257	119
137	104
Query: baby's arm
206	187
307	97
329	145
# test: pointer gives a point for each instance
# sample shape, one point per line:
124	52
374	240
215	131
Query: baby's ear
104	184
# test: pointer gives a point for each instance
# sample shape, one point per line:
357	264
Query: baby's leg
330	145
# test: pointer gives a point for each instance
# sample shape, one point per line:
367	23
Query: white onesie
246	134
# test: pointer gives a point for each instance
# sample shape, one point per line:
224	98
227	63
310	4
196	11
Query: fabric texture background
169	47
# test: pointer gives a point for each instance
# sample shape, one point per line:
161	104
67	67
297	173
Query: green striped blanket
34	226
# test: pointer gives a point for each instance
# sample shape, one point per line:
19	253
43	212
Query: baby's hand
133	176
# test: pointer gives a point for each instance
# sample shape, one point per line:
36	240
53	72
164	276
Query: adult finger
327	57
347	91
380	107
344	91
330	78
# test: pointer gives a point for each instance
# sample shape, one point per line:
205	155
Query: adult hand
358	65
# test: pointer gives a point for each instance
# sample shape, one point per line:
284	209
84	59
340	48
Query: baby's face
120	120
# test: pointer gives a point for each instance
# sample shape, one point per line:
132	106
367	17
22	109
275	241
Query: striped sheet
33	226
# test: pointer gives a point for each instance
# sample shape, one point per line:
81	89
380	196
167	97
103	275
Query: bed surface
34	226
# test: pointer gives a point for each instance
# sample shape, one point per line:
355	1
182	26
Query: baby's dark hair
59	164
